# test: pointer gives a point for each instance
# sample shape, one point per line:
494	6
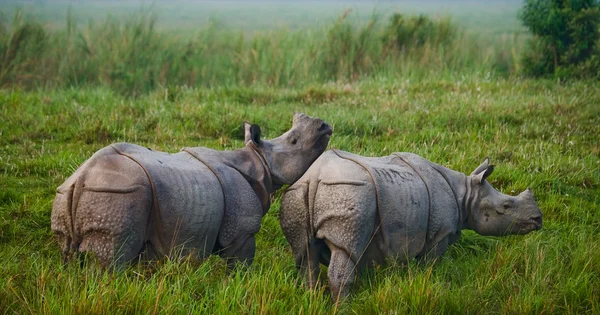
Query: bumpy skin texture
349	211
127	200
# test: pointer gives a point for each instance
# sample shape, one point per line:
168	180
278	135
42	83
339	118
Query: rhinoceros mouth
529	226
326	128
536	222
326	133
323	140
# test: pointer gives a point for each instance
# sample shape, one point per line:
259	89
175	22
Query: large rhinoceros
348	211
127	199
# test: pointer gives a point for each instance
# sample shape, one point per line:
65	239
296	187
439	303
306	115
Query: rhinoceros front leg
431	253
341	273
240	252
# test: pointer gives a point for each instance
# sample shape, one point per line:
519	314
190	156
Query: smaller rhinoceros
127	199
348	211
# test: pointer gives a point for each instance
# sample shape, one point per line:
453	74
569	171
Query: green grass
453	104
539	134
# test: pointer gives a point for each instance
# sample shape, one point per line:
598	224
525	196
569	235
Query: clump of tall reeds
131	56
21	48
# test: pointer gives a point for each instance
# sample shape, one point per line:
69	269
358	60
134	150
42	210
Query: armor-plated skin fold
348	211
127	200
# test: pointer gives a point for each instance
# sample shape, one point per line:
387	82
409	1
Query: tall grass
130	55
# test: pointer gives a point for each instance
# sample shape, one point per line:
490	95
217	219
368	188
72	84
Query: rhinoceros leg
240	252
432	252
341	272
116	226
294	218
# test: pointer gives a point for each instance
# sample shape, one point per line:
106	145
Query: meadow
453	99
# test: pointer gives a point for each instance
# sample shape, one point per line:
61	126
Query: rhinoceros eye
294	141
506	206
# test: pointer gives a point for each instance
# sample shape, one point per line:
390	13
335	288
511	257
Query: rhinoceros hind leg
111	250
113	226
341	273
309	263
64	241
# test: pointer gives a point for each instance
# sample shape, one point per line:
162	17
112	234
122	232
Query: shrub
415	31
348	50
20	51
566	37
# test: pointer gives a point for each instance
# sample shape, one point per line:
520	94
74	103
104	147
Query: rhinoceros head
494	213
291	154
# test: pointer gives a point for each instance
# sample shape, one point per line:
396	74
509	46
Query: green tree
566	37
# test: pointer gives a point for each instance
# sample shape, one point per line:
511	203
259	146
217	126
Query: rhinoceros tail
294	218
62	215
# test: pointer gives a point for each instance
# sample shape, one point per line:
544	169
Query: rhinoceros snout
533	223
326	129
537	221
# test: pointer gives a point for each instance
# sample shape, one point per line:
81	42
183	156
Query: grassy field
541	134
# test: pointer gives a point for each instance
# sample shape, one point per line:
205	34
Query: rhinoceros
127	199
348	212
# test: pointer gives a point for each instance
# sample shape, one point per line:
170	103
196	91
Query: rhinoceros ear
479	178
481	167
251	133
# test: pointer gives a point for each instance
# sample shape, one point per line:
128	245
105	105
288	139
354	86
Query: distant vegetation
132	56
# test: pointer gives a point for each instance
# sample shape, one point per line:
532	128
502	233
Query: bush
416	31
566	37
20	51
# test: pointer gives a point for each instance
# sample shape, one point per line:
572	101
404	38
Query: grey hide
348	211
127	199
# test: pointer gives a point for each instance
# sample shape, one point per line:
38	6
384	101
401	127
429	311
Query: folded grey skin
127	199
348	211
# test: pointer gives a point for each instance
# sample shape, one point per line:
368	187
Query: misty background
490	17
